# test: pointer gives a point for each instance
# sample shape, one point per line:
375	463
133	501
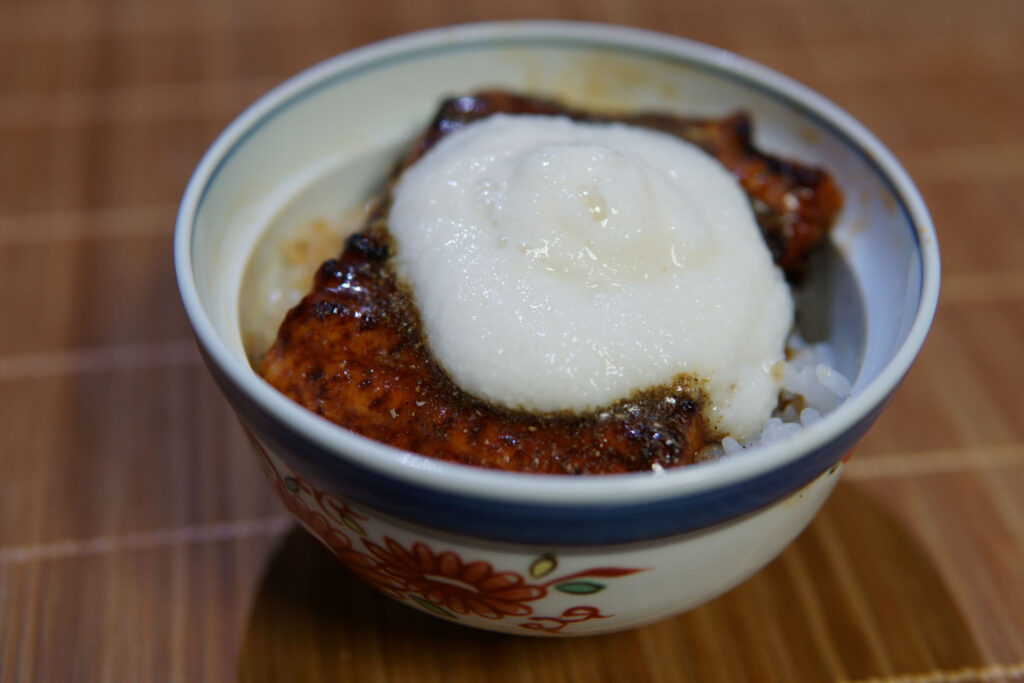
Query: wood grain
137	538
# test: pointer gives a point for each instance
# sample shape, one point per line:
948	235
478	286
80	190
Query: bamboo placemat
138	540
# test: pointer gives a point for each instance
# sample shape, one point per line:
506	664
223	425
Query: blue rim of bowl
727	488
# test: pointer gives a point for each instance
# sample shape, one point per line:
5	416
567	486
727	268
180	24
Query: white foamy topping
561	266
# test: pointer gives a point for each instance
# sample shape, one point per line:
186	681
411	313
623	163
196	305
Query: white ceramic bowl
536	554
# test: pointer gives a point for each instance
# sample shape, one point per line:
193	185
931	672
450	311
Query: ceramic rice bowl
546	554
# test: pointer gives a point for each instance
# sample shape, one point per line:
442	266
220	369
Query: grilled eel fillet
353	349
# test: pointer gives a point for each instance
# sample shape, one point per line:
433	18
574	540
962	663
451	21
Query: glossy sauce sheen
353	350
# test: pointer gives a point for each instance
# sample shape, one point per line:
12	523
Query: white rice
808	378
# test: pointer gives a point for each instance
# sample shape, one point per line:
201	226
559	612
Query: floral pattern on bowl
517	553
440	582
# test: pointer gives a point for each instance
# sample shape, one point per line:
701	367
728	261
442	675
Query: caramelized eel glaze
353	350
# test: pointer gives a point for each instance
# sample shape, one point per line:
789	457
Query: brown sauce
353	349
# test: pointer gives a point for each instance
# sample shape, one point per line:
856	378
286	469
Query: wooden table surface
138	540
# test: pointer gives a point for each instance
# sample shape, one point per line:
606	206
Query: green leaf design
436	609
353	524
580	587
292	484
543	565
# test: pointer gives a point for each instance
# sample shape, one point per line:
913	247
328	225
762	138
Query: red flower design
315	521
367	569
441	582
573	615
446	581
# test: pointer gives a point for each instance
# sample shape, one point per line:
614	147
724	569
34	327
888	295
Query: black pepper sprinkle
365	245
